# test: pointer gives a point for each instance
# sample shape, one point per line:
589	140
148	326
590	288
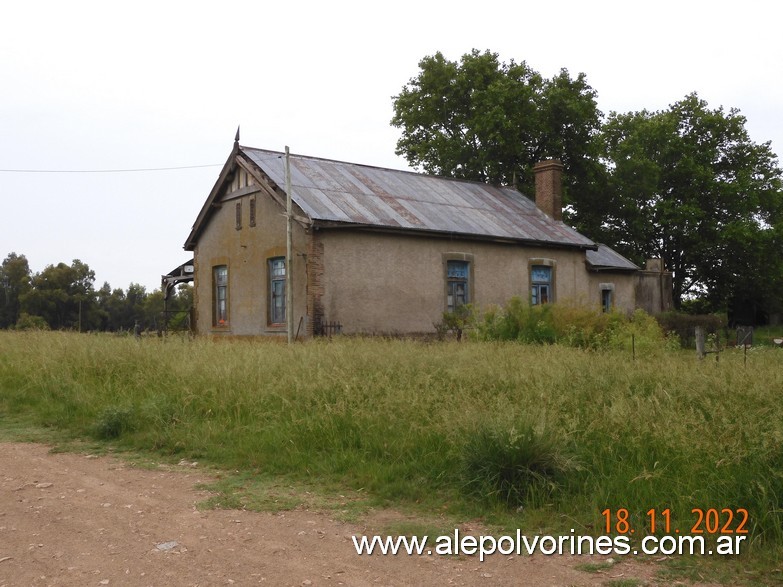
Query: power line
134	170
109	170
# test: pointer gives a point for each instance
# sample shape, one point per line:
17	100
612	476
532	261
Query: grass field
537	437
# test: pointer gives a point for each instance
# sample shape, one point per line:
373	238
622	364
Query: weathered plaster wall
654	291
624	284
374	282
393	283
246	253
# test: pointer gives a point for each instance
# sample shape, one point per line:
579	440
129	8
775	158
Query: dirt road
74	519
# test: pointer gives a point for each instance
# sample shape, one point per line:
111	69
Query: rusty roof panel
320	206
346	181
360	194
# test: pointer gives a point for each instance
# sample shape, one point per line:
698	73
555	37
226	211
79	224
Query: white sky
109	85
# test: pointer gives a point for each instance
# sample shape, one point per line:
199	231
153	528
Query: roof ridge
365	165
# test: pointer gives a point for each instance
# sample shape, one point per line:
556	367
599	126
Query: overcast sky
106	85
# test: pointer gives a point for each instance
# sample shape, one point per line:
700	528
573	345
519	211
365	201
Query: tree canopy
63	296
485	120
15	283
686	184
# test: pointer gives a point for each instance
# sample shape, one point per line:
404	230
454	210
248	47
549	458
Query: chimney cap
546	164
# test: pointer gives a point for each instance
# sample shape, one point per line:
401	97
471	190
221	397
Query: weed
113	422
518	465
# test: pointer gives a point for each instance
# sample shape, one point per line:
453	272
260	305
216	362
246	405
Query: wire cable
142	169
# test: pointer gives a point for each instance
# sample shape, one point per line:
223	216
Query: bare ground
75	519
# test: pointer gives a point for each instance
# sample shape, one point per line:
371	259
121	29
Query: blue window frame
606	299
540	284
220	280
457	273
277	290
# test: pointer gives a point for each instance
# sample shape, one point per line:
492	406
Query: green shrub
113	422
684	325
28	322
514	465
641	331
456	321
570	325
519	320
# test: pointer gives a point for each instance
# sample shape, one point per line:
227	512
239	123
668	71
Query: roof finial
236	138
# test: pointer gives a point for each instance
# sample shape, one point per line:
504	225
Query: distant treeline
64	297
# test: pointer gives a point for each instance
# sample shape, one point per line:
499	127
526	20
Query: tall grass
563	432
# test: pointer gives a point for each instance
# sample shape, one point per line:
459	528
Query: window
540	284
606	300
607	296
220	303
238	208
277	290
252	212
456	284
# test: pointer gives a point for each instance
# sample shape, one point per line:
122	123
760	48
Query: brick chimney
549	187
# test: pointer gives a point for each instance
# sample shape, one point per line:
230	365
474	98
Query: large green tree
687	184
121	310
14	283
63	295
486	120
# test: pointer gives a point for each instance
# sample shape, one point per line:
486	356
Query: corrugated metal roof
359	194
607	258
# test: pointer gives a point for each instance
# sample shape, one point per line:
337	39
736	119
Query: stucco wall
372	282
654	291
623	285
393	283
246	253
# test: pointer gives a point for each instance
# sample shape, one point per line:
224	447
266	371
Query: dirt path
70	519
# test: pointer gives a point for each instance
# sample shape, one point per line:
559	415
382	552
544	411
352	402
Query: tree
64	296
122	309
180	306
14	283
135	299
688	185
111	303
488	121
154	318
685	184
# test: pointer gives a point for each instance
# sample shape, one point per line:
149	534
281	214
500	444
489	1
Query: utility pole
289	256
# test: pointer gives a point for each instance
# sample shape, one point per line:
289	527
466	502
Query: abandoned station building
388	251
